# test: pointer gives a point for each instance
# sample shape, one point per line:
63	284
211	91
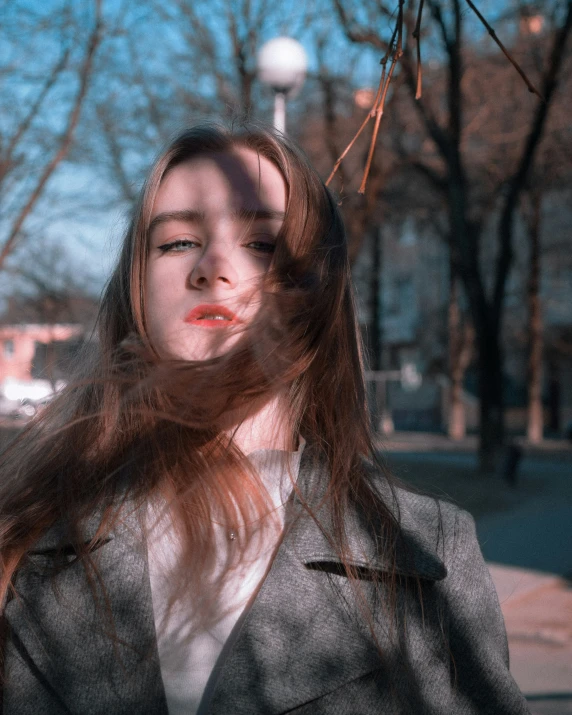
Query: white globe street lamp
282	64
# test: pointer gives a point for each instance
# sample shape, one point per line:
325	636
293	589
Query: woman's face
213	230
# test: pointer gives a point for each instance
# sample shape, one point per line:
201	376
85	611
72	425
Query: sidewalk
437	442
537	609
525	534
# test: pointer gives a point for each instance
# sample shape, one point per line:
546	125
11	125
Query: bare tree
203	69
441	112
17	162
49	288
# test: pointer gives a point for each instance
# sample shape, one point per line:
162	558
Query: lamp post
282	64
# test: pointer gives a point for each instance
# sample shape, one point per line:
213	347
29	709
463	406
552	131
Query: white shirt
188	652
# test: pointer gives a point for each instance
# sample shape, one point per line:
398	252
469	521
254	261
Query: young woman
199	523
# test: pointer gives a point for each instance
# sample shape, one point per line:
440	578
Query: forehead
222	182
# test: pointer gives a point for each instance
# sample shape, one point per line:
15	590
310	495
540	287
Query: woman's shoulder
410	504
426	512
428	524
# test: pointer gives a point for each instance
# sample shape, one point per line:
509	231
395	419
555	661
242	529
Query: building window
8	349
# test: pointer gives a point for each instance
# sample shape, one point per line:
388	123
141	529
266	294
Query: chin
196	351
194	344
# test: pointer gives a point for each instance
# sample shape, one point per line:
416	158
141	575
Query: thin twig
371	112
398	52
378	116
24	126
417	36
510	58
348	148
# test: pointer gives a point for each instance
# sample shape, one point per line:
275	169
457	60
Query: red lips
211	316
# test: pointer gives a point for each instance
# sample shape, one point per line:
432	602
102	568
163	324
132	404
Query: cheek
159	299
165	278
251	271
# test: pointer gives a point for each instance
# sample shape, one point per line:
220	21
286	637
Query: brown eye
262	246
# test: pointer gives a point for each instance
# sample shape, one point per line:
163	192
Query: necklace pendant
232	535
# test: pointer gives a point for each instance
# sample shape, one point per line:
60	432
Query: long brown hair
130	426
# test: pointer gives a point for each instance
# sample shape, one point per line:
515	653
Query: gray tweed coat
303	647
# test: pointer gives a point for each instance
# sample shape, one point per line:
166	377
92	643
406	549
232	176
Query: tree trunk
376	317
457	424
554	394
535	426
486	318
457	427
380	414
492	429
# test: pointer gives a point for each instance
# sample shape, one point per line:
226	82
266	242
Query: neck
264	428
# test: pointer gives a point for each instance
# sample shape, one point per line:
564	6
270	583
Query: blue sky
92	233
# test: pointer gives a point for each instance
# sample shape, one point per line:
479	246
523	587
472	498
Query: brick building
35	351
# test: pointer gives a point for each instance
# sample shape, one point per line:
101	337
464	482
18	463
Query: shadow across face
213	232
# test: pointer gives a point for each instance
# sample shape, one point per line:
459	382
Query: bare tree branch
115	154
436	179
66	138
417	37
397	53
369	115
361	36
510	58
437	15
520	177
372	112
6	160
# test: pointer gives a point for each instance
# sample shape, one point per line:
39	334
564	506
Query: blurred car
22	409
23	399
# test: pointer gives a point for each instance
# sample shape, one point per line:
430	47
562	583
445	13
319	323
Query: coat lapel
60	649
304	635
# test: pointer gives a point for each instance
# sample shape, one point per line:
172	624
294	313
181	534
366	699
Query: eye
262	244
179	245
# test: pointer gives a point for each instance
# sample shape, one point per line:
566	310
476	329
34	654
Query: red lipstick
211	316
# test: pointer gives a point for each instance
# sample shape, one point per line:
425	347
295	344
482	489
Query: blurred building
413	302
31	351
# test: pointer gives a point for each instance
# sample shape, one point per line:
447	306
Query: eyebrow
193	216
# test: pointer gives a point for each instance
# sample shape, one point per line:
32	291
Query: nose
214	268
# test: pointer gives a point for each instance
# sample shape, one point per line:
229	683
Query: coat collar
62	652
304	636
416	549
